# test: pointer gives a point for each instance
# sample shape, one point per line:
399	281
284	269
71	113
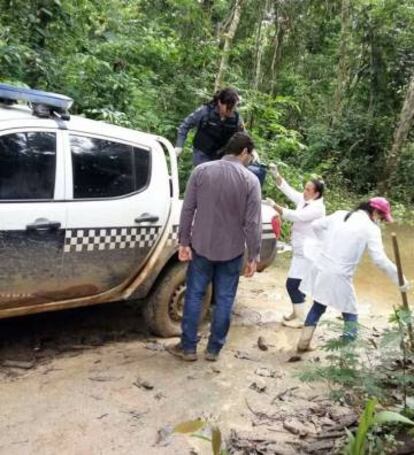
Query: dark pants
199	158
350	320
259	171
225	278
292	286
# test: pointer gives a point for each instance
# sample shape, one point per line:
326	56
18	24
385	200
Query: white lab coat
329	280
302	217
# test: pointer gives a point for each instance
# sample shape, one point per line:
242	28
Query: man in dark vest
215	124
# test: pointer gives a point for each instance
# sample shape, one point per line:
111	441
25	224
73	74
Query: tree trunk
258	54
281	25
400	136
228	39
207	4
343	63
260	44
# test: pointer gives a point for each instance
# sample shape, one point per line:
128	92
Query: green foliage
349	374
369	366
356	445
147	64
365	441
402	188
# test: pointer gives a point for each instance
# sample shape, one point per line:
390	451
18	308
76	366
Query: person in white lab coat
344	237
309	207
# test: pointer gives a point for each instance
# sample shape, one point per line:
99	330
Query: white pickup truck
89	214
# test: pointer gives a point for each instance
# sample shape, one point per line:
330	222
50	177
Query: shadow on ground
41	337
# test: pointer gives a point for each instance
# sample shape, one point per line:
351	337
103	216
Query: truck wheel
164	309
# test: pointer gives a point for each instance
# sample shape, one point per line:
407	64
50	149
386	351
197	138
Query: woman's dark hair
227	96
365	206
237	143
319	186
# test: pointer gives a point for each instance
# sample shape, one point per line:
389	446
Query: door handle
147	217
42	224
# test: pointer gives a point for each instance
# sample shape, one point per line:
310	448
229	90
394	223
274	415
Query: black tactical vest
213	133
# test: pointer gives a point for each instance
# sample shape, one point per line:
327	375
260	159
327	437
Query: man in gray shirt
221	214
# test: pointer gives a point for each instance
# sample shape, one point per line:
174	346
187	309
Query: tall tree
260	44
405	123
228	39
343	59
282	25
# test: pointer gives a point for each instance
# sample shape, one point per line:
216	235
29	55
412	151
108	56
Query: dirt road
93	381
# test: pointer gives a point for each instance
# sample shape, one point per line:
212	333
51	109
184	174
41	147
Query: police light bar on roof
58	103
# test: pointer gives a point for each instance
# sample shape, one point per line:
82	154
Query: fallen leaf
190	426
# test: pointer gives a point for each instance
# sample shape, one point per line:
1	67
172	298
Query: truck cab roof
21	116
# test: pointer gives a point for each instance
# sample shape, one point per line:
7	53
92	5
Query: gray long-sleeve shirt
221	213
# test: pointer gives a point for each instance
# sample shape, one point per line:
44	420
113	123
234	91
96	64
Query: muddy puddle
375	292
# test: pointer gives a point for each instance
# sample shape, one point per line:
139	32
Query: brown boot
177	351
211	356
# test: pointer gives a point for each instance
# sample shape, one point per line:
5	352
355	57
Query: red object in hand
277	226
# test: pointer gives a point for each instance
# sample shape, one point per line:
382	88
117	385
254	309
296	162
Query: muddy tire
163	311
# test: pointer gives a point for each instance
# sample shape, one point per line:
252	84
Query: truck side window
141	159
27	165
104	169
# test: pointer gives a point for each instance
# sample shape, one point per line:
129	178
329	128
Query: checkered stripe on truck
85	239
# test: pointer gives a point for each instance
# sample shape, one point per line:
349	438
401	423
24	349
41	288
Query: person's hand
406	286
184	253
255	157
178	151
270	202
250	269
274	171
278	208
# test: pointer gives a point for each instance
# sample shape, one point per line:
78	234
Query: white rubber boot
298	319
304	344
289	317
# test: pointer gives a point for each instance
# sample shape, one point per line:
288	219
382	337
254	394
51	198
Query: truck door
32	216
119	202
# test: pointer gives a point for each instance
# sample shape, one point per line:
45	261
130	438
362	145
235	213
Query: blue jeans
292	286
225	278
259	171
350	320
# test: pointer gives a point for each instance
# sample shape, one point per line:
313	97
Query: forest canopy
327	86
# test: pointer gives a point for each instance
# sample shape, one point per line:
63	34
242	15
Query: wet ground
375	292
93	381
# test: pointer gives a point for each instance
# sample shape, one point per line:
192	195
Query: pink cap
383	206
